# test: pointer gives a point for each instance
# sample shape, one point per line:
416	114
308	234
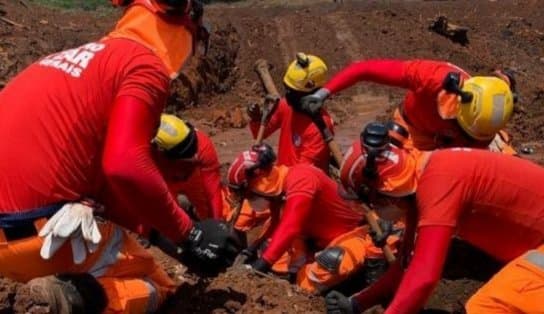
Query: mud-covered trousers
132	280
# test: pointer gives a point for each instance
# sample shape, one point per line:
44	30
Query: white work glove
74	221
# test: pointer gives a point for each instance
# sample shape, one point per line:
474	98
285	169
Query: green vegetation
73	4
94	4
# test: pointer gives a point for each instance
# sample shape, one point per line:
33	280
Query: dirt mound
8	290
213	90
30	32
240	291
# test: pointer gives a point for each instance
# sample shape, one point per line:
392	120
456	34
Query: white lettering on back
73	61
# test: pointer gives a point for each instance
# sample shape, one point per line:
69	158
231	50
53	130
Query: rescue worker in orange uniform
188	161
75	130
474	194
444	105
300	139
312	212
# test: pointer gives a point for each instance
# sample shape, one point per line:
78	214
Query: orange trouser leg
315	277
416	139
134	283
120	264
248	218
517	288
292	260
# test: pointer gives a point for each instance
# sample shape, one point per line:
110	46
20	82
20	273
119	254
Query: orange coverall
314	212
87	116
494	202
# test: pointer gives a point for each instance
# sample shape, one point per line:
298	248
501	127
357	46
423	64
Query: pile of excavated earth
213	91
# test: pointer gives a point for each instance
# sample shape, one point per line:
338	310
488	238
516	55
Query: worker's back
54	117
495	201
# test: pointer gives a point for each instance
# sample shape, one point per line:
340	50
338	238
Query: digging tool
272	95
270	101
370	215
261	67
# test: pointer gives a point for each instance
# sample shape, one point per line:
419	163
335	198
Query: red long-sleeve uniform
492	201
78	123
313	209
300	140
422	78
198	179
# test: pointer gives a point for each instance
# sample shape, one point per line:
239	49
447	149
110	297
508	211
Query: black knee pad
330	258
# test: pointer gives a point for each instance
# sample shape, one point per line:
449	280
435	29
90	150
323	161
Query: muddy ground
213	91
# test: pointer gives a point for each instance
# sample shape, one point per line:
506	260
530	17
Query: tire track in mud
365	105
285	38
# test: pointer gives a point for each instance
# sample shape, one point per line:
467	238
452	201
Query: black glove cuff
261	265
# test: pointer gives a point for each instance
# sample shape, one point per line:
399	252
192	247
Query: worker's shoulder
304	172
465	162
132	54
203	139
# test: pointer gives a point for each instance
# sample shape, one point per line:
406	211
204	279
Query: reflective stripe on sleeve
536	258
110	253
153	301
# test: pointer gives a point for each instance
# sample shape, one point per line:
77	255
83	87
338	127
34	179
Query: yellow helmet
175	137
306	73
489	108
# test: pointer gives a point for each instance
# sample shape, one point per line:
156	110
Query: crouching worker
101	266
188	162
474	194
313	212
87	116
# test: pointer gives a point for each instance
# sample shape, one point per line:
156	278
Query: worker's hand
337	303
270	104
254	112
261	265
213	241
313	103
74	221
244	257
387	229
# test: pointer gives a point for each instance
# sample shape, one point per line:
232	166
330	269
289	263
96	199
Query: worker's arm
425	269
211	175
387	72
131	174
295	213
273	123
380	291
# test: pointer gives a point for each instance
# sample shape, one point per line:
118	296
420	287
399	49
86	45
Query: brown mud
212	93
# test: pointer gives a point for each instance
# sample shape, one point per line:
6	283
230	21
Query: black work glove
261	265
213	242
387	230
270	104
338	303
254	112
247	254
313	103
